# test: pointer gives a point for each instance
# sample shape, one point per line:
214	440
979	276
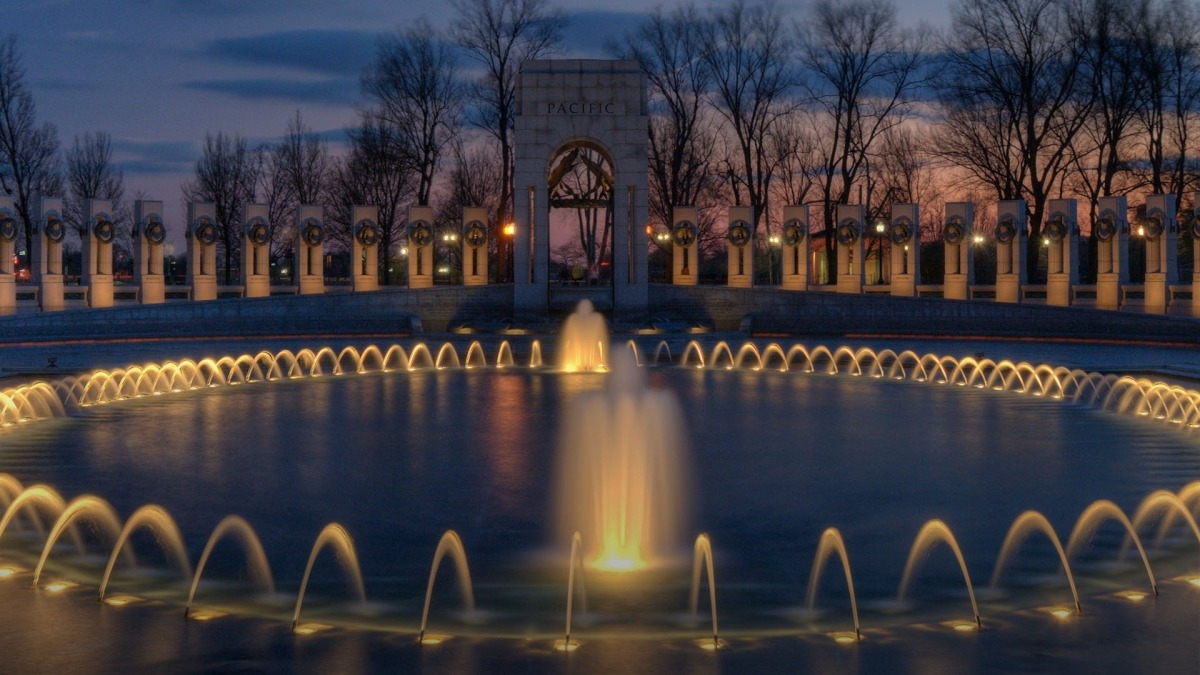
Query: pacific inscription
584	108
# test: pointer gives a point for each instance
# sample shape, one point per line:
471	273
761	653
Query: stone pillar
740	236
1195	254
98	234
149	237
1062	258
631	280
364	255
1112	244
795	247
957	237
905	233
474	246
531	231
46	262
1161	231
310	249
685	263
849	237
256	251
9	230
1012	232
201	236
420	247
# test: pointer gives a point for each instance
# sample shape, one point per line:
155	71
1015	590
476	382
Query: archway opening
580	187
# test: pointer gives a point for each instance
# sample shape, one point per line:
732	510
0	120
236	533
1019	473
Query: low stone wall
387	311
399	311
762	310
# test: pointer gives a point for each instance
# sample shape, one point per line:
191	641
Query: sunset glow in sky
159	74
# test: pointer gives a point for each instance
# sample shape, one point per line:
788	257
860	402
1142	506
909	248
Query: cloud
334	139
588	31
136	157
323	52
61	85
337	91
234	8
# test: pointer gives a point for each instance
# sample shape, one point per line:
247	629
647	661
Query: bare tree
500	35
1100	153
226	175
274	190
752	75
374	172
671	52
1014	91
473	180
29	165
91	174
1170	68
415	83
294	171
863	72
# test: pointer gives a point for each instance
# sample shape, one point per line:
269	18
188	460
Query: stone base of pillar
8	294
100	291
311	285
257	286
1008	288
904	285
204	287
954	287
153	289
1108	291
1156	293
1058	290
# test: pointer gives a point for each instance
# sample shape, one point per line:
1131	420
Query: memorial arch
580	143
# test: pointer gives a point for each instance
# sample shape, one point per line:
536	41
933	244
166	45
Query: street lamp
509	231
881	227
773	244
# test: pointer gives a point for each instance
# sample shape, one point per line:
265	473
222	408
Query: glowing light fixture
565	646
205	614
121	600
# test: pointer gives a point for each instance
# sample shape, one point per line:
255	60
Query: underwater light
205	614
121	600
844	638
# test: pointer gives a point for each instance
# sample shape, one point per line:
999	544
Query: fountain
623	472
609	453
583	344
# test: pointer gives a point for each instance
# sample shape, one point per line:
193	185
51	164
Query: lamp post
881	226
506	254
449	240
772	246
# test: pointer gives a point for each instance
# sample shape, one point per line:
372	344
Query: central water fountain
623	472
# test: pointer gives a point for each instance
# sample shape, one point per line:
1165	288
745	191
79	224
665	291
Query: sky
158	75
